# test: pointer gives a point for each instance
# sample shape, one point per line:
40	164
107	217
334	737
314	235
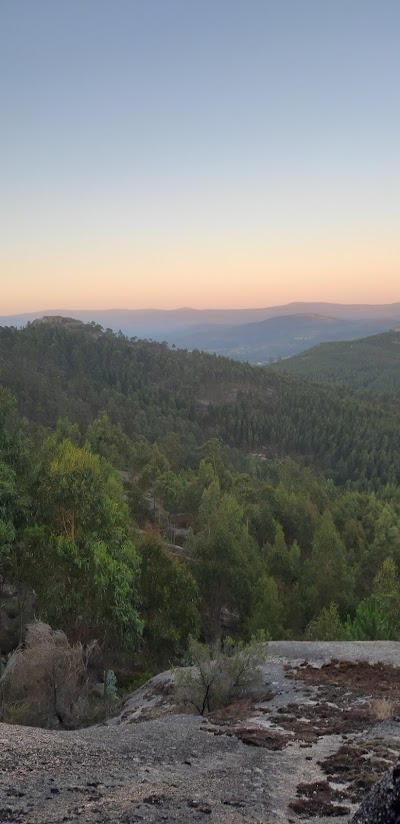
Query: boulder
382	804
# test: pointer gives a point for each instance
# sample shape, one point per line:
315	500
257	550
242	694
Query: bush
110	685
46	681
134	682
217	676
370	623
327	626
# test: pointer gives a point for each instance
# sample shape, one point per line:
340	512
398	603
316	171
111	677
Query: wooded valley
148	495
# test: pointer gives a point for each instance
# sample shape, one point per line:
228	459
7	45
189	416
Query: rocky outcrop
382	804
306	748
50	320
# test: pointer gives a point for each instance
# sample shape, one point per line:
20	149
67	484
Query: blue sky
234	152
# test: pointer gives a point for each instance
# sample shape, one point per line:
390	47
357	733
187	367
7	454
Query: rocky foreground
324	728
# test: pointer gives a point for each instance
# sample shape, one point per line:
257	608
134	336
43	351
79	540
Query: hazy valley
254	335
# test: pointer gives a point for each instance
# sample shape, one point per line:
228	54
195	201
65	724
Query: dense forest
148	495
369	364
74	370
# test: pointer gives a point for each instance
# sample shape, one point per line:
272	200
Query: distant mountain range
371	364
257	335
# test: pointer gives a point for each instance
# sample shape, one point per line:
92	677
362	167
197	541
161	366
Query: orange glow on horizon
211	279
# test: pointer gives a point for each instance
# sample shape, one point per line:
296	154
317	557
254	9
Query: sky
206	153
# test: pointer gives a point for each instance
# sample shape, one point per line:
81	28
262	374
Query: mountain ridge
295	307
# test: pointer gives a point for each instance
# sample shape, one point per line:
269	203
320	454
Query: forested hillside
147	495
76	370
371	364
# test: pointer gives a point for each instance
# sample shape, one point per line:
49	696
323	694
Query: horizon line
196	309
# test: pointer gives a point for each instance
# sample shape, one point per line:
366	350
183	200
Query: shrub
134	682
110	684
46	681
327	626
370	623
217	676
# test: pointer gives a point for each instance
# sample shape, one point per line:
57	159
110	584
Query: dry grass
382	708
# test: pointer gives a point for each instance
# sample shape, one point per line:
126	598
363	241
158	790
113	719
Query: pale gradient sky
207	153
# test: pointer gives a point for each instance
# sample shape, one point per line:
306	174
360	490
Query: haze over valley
255	335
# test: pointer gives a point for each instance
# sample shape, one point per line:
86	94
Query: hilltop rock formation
50	320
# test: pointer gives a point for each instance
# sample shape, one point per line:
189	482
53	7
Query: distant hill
371	363
63	368
339	310
172	325
277	337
